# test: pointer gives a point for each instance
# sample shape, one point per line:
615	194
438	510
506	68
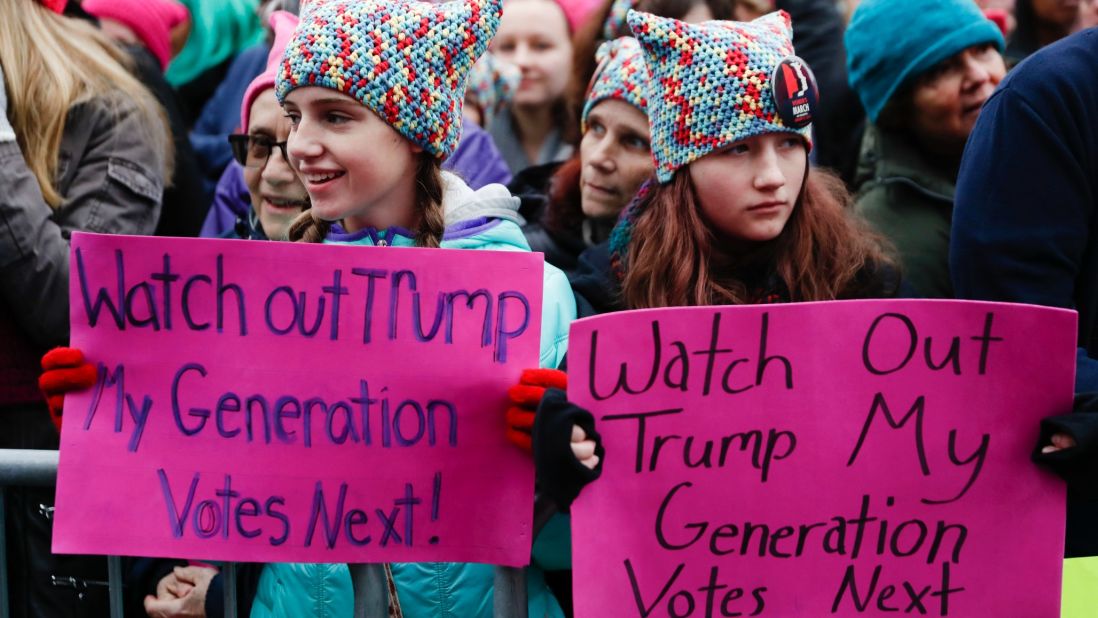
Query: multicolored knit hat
713	84
492	85
407	61
620	74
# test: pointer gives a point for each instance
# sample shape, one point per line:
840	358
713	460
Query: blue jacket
1025	226
1024	220
484	219
221	114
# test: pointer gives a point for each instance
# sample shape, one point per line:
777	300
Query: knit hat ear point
779	22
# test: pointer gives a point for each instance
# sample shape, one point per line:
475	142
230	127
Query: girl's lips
599	189
766	207
319	178
319	181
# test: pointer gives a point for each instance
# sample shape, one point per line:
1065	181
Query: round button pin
795	92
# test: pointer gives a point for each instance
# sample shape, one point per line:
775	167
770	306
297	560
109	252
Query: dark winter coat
110	177
1025	226
910	201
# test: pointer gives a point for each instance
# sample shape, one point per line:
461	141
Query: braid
307	228
429	202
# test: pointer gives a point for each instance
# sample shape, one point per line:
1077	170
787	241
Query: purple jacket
476	160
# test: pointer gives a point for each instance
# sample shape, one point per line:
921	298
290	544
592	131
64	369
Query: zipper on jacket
381	242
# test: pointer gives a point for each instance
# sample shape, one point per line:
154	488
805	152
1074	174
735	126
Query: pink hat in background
57	6
151	20
283	24
577	11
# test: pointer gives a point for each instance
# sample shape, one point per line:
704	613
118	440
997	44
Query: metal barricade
35	468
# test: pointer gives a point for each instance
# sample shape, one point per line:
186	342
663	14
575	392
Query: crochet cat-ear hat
719	82
620	74
407	61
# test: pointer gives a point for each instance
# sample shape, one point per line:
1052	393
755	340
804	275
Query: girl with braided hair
368	134
373	91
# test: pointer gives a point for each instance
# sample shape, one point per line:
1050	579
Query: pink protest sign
848	459
279	402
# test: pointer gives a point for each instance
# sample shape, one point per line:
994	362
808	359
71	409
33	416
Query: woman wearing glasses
264	186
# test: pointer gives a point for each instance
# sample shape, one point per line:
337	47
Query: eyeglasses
255	150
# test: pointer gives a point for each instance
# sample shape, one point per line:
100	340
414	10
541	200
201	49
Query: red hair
825	252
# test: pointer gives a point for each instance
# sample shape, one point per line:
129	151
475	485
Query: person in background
1041	22
217	118
1025	231
1002	13
534	35
220	29
747	10
145	28
276	195
922	93
148	23
588	192
1088	16
608	23
83	147
492	86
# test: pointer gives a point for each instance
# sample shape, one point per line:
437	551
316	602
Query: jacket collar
887	158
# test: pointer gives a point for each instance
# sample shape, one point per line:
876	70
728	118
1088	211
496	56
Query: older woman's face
278	196
947	99
616	155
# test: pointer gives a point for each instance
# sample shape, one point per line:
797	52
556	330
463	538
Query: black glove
1082	425
560	475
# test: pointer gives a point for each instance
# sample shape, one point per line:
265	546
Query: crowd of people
660	153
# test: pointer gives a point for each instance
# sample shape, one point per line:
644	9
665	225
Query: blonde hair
431	226
52	63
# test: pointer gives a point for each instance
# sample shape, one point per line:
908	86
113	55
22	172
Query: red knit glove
525	397
64	370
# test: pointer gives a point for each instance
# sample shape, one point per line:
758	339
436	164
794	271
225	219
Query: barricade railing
36	468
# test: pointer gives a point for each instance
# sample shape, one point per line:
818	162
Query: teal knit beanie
889	42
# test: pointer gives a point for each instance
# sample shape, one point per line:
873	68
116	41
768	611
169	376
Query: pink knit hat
151	20
577	11
283	24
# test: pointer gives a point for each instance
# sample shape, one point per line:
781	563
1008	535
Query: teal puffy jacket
484	219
